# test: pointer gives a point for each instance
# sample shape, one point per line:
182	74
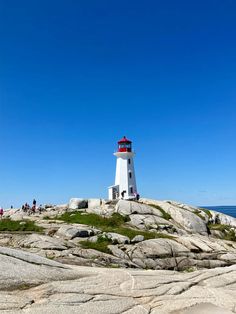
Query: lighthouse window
131	190
130	175
129	161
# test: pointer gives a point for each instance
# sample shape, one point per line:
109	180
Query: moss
165	215
23	225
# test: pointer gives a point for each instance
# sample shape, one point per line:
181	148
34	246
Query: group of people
31	209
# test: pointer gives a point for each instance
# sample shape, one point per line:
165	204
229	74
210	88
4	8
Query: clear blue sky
75	76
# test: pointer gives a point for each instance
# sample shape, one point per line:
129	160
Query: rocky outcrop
31	284
77	203
161	235
183	216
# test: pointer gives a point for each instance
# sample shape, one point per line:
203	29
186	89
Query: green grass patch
101	245
24	225
165	215
93	219
219	227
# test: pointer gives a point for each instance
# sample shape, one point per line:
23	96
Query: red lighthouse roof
124	140
124	145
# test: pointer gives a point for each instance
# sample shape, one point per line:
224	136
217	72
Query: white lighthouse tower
125	183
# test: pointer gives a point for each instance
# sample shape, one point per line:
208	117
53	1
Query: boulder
137	238
77	203
94	203
125	208
42	242
117	238
74	231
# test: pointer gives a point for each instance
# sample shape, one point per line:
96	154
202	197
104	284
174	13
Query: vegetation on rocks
198	213
165	215
94	220
227	231
101	244
209	214
115	223
25	225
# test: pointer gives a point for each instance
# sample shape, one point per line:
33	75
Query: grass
209	214
228	233
93	219
165	215
198	213
25	225
115	223
101	245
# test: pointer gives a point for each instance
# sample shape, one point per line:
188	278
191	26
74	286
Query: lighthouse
125	183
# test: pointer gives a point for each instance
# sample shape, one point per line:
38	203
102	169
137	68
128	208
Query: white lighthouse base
113	192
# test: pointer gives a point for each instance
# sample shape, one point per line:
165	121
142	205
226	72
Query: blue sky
75	76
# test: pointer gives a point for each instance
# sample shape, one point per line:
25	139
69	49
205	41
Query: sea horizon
225	209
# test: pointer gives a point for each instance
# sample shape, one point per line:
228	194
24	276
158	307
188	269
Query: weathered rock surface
77	203
31	284
180	241
182	216
223	218
74	231
42	242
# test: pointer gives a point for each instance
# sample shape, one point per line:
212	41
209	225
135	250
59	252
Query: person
34	202
40	208
1	212
122	194
137	197
33	209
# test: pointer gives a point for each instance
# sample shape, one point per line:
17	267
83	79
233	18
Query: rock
32	284
125	208
47	206
146	221
71	232
77	203
42	242
223	219
94	202
93	239
183	217
137	238
19	268
62	207
117	238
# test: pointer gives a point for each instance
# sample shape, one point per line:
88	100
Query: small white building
125	183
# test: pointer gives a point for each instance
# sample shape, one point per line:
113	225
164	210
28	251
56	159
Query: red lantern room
124	145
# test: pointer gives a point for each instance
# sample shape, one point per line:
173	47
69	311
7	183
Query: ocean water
228	210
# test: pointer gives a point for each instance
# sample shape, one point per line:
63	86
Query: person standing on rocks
1	212
34	202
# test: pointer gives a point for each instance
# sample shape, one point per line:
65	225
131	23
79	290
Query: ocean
228	210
